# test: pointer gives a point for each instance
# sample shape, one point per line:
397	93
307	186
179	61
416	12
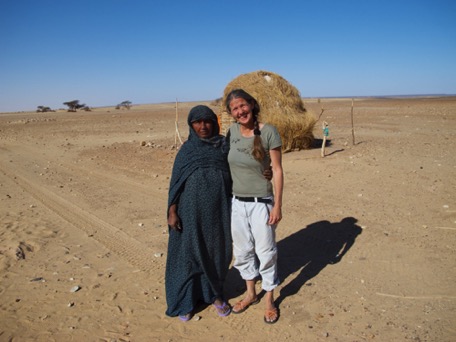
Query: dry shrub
280	105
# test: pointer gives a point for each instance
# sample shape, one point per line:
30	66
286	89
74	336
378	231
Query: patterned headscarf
202	113
197	152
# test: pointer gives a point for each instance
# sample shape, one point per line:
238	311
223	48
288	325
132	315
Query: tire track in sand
117	241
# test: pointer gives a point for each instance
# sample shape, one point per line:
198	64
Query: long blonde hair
258	151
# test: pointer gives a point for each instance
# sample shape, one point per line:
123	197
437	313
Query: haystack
280	105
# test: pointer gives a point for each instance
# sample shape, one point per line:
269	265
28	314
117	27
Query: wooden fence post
325	128
177	134
353	127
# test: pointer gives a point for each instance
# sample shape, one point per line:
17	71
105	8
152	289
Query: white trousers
254	245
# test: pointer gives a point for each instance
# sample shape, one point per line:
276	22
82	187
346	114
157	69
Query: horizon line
303	97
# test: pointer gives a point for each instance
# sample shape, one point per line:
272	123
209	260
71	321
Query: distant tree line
74	105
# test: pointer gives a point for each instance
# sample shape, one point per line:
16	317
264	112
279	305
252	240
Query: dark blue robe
200	254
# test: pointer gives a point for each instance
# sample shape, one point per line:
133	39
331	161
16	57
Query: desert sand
367	246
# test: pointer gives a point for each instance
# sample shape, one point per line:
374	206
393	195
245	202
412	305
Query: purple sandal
186	318
222	310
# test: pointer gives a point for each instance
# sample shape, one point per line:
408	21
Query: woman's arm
276	159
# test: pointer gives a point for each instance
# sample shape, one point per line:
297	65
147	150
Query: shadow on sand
304	254
311	249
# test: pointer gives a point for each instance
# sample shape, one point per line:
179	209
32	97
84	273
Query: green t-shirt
246	172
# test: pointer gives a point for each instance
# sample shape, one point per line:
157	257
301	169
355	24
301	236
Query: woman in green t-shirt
257	202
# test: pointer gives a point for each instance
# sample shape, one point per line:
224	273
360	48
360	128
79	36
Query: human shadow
308	251
304	254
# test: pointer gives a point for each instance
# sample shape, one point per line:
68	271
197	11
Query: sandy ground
82	203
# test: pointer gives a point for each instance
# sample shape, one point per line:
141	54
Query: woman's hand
267	173
174	221
275	215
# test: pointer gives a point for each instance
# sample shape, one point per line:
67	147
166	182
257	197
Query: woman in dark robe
199	209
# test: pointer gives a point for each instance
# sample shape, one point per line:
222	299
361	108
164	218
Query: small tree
43	109
124	104
74	105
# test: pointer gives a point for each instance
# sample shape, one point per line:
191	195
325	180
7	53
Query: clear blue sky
103	52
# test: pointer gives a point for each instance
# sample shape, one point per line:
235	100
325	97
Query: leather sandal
241	306
271	316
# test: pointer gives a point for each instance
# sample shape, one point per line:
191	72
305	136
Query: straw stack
280	105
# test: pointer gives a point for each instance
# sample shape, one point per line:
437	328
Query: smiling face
242	111
203	128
